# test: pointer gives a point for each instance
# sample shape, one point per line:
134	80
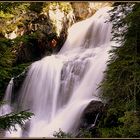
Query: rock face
92	114
90	119
83	10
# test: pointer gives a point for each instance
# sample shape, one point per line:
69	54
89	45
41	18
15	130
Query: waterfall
59	87
6	108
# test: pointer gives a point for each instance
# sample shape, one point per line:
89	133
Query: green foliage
83	133
131	125
8	68
5	52
11	15
120	87
123	70
8	6
6	59
62	134
110	133
8	121
36	6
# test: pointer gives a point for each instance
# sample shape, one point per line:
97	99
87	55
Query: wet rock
81	10
92	113
18	80
84	10
90	119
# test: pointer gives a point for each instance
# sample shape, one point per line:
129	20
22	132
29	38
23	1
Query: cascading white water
6	108
59	87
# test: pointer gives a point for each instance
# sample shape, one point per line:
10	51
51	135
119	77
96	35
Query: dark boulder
92	112
91	117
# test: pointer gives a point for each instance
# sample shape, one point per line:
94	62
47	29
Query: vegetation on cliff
28	33
120	87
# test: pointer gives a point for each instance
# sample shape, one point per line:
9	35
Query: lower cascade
59	87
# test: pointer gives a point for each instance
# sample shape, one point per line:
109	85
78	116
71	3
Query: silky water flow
59	87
